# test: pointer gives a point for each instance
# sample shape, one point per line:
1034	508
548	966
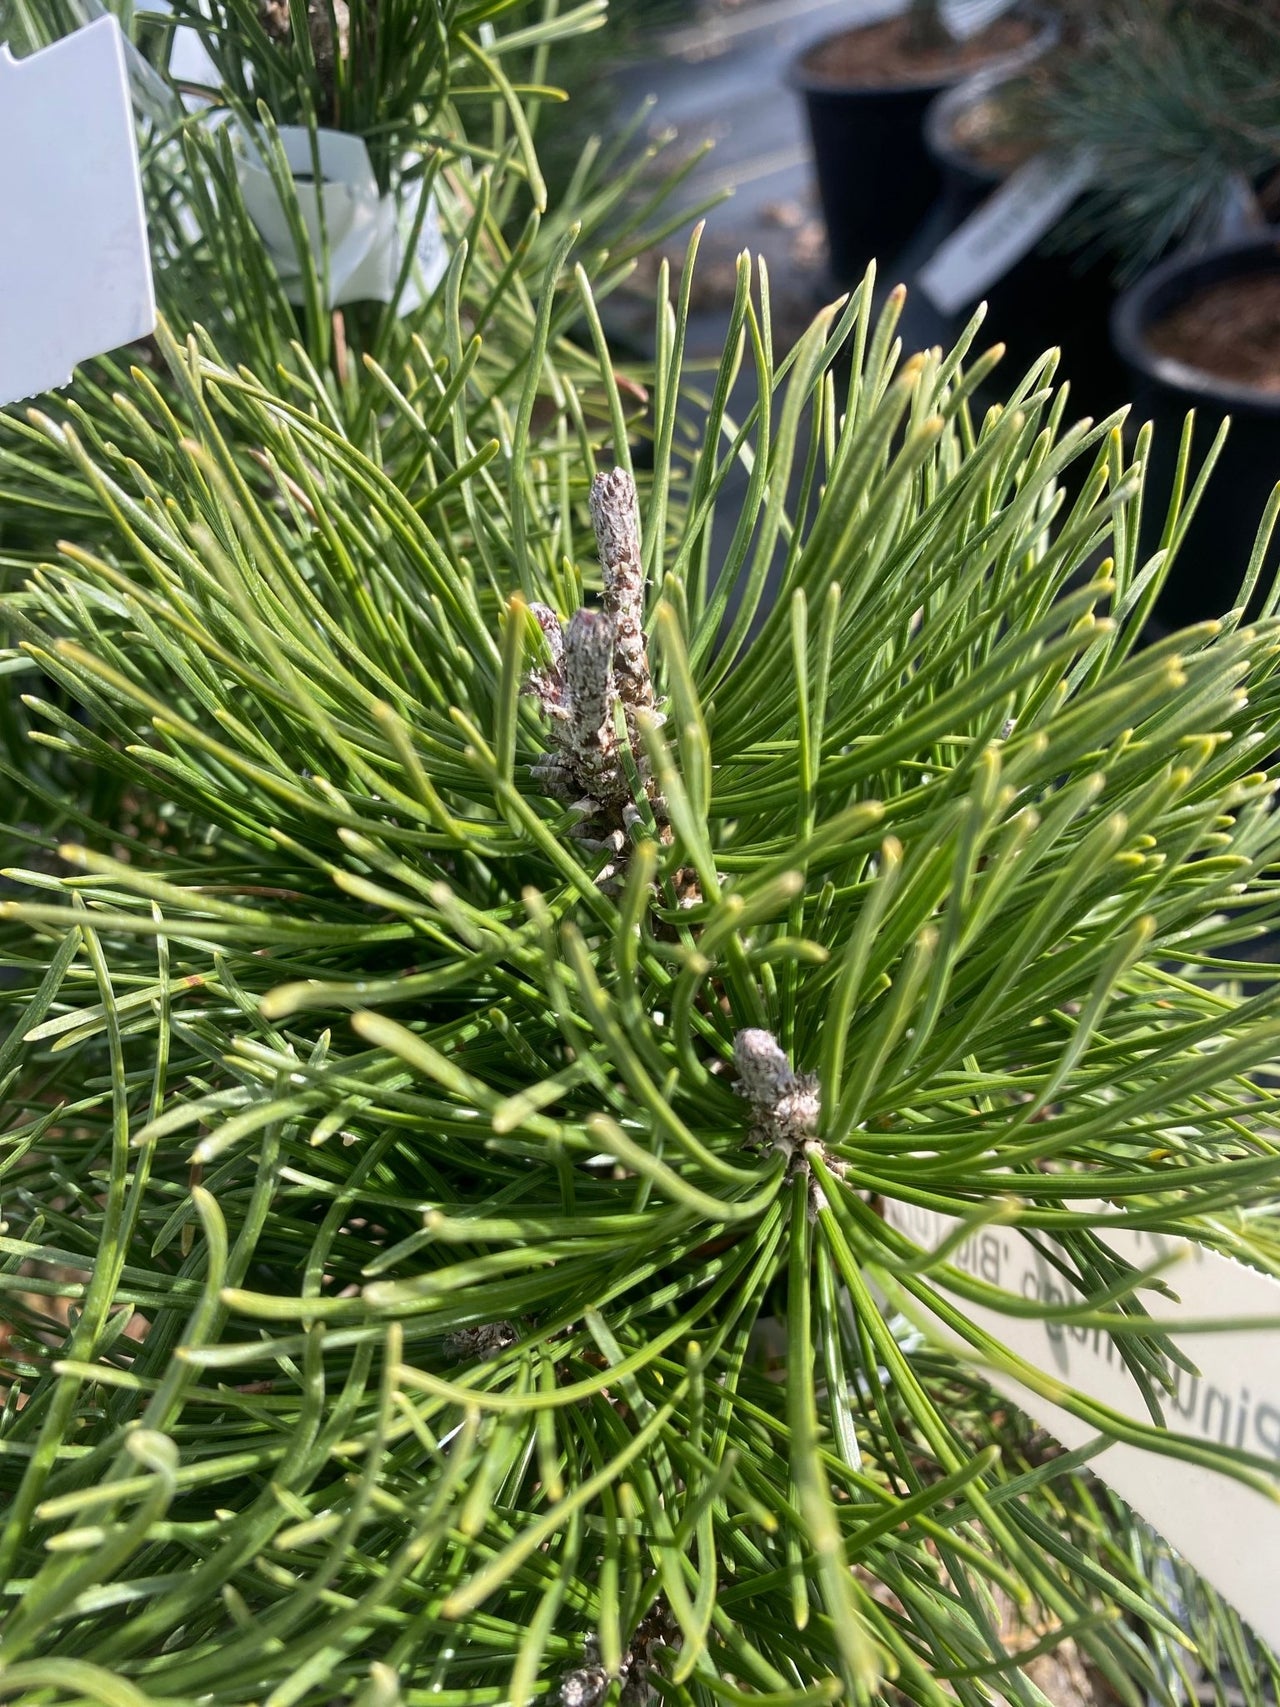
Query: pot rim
1172	282
1046	36
949	103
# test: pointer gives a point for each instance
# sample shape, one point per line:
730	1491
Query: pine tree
1176	103
483	959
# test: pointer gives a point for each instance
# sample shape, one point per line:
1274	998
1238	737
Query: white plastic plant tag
1230	1532
1006	227
152	96
965	18
366	231
190	65
75	272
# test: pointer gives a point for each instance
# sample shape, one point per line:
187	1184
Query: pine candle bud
591	745
615	515
273	15
490	1339
549	623
764	1073
329	28
786	1104
578	697
588	677
598	664
546	682
276	20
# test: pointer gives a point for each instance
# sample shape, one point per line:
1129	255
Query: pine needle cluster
1178	104
443	1258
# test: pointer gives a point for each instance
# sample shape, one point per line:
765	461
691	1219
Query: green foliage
386	1253
371	370
466	139
1179	103
381	69
386	71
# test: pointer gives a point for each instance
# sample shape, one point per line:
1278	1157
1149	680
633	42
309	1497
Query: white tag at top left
75	269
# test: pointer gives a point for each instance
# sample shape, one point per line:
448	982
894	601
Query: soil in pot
885	56
1230	330
994	132
991	136
980	133
1203	334
866	91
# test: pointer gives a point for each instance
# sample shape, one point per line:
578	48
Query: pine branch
402	1219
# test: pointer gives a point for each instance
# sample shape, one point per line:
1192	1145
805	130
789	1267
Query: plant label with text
75	270
1006	227
1229	1531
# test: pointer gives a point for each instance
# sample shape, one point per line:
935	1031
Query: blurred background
1103	174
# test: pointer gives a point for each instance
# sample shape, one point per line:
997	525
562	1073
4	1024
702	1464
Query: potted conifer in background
1179	106
446	99
981	134
865	91
465	984
214	270
216	277
1200	154
1175	106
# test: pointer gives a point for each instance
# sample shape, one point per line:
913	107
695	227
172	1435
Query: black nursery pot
964	180
1207	572
876	179
1048	298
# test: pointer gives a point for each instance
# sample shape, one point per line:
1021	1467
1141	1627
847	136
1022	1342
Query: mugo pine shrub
508	990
